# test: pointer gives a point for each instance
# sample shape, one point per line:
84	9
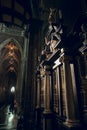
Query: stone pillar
83	89
47	92
85	61
84	99
83	50
59	92
47	114
71	116
38	106
38	89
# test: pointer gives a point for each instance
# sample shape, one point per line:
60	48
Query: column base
72	124
47	112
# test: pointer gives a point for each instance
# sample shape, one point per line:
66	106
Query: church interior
43	62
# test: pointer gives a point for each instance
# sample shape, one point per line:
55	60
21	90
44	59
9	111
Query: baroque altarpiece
62	76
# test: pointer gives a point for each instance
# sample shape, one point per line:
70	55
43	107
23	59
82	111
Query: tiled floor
8	120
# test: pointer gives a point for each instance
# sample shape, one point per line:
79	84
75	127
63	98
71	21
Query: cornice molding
11	30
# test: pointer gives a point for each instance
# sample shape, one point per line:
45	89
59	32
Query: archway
10	57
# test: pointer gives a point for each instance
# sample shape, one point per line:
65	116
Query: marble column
38	106
47	114
59	91
83	90
47	92
71	116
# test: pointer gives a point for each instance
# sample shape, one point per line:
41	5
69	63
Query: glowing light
10	118
57	62
12	89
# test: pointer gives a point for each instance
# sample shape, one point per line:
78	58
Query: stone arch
8	40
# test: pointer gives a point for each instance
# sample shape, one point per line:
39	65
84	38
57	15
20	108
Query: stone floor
8	120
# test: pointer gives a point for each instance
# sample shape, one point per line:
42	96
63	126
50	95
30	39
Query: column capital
42	72
47	67
65	58
64	55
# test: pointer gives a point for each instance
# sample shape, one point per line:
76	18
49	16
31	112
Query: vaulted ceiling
10	57
19	13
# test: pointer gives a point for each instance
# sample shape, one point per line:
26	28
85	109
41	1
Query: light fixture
11	46
12	89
